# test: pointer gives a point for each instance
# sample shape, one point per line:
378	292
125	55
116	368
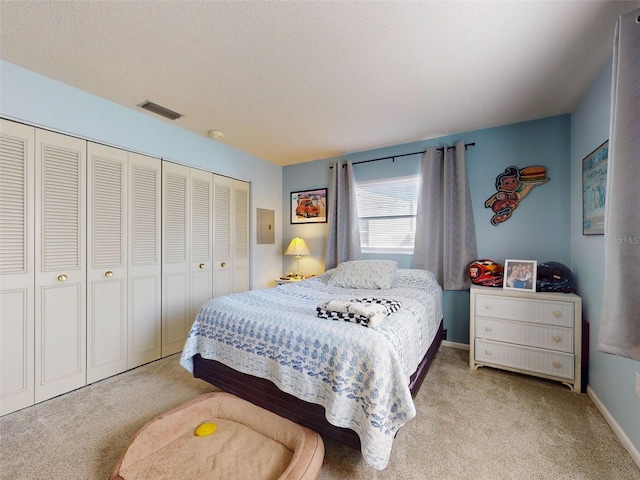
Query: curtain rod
393	157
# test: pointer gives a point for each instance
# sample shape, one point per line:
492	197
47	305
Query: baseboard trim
626	443
461	346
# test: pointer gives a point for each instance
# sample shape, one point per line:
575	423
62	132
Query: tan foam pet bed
248	442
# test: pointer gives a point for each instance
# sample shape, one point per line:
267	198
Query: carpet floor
484	424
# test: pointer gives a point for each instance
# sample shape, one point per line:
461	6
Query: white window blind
387	212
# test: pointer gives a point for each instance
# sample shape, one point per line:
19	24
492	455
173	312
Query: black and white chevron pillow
345	316
390	305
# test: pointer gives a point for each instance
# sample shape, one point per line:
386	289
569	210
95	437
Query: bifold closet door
16	266
145	286
223	235
231	235
124	298
240	226
60	259
176	312
107	262
201	248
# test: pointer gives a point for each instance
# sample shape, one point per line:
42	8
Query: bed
352	383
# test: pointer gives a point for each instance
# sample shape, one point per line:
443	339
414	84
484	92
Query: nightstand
535	333
282	281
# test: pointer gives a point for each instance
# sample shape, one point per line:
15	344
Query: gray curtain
445	230
620	318
343	242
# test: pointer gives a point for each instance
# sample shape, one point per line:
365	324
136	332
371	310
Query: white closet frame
106	257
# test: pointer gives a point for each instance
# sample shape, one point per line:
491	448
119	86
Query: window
387	212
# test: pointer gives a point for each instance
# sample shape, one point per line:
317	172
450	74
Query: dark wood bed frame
265	394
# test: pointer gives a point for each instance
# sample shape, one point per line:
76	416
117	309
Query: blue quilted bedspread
359	374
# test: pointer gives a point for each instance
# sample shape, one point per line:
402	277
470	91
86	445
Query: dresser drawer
529	334
535	311
556	364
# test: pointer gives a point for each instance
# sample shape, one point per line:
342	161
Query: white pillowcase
372	274
415	278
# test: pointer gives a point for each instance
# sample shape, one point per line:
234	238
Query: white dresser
533	333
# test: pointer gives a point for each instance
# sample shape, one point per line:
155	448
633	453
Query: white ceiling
296	81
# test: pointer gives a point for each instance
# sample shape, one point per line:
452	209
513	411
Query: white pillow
372	274
415	278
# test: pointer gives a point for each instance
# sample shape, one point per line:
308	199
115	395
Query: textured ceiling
296	81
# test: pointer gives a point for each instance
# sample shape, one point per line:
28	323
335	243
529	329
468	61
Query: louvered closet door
145	293
107	262
223	235
176	314
240	236
60	259
16	266
201	250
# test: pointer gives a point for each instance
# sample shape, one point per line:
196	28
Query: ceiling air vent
157	109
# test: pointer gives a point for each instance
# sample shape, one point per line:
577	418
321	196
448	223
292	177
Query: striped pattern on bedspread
360	375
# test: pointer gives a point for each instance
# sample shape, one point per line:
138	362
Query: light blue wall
611	378
34	99
546	226
538	230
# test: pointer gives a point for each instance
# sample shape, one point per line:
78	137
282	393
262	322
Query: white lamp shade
297	247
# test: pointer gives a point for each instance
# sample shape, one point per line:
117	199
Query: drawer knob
487	328
488	307
487	352
557	338
557	313
557	364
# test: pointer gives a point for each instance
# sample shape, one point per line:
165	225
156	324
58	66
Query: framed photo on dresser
520	275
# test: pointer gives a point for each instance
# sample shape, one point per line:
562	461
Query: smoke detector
215	134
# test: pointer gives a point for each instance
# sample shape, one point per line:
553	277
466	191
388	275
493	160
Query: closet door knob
201	266
108	274
223	264
62	277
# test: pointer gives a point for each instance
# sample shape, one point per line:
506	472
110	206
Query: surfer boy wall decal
513	185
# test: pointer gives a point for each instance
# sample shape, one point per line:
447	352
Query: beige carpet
486	424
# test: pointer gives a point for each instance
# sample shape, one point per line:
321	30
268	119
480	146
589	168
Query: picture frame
309	206
594	183
520	275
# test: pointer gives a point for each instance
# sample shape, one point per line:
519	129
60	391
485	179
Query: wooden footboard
265	394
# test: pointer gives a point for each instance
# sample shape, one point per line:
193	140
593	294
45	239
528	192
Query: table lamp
297	247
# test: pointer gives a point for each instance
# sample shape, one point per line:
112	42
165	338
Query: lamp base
297	275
